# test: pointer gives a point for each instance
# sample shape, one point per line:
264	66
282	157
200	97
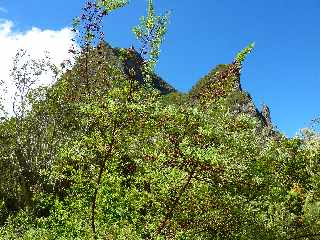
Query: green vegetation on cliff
111	151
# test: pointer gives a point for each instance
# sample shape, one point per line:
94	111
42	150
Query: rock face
265	112
131	66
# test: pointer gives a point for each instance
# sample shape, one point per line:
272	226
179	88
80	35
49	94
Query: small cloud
3	10
5	27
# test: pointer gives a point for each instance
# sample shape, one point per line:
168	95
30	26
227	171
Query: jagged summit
224	82
221	82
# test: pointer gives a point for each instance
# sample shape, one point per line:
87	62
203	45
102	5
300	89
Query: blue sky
282	72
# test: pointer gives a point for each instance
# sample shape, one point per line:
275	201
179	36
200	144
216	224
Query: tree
111	156
24	139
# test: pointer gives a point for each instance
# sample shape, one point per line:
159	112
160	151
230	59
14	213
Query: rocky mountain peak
224	82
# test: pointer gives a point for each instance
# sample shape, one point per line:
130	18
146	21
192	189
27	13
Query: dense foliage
110	151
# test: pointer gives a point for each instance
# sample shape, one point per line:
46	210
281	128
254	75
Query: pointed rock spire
266	115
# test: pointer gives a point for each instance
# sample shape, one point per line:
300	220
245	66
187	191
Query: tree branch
101	171
176	202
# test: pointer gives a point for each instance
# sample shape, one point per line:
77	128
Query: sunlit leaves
109	158
241	56
111	5
150	32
